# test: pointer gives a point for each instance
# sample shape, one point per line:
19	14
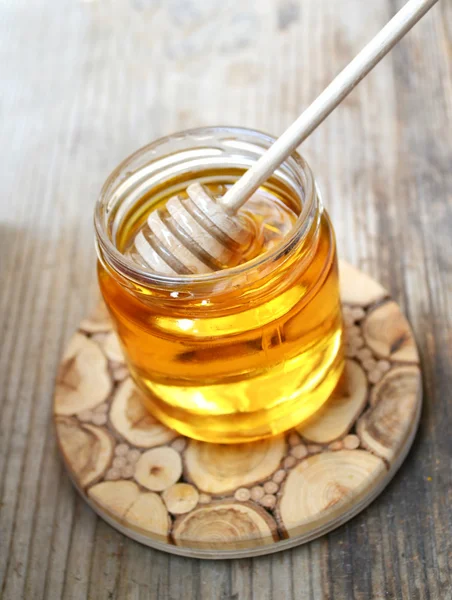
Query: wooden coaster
227	501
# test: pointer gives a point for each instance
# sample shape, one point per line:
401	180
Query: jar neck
209	155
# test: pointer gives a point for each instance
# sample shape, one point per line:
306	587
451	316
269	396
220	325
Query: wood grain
84	83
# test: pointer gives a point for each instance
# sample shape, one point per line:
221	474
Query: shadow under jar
237	354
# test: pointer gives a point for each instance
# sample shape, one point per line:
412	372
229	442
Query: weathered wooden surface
85	83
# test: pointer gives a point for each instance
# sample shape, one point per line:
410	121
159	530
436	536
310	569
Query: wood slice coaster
227	501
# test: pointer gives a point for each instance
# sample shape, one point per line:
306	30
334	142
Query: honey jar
243	352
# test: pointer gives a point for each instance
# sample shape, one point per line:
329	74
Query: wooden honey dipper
200	234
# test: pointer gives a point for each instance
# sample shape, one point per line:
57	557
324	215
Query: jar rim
131	270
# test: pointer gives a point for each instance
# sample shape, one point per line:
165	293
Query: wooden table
85	83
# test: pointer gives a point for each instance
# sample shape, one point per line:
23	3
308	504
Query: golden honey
245	352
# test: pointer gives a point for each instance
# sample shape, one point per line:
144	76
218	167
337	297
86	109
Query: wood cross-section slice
124	501
321	487
219	469
88	450
130	418
110	345
148	512
388	334
383	428
338	415
98	321
225	524
83	380
180	498
158	468
357	288
116	497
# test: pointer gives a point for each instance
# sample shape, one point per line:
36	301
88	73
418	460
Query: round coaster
227	501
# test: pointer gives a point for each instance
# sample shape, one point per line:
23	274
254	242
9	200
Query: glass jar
237	354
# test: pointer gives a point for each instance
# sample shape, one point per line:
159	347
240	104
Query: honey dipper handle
331	96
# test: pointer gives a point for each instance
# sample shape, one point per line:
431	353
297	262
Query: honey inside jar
243	353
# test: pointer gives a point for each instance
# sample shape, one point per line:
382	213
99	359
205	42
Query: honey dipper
200	234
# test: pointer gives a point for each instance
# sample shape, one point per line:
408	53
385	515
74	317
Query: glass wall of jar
241	353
